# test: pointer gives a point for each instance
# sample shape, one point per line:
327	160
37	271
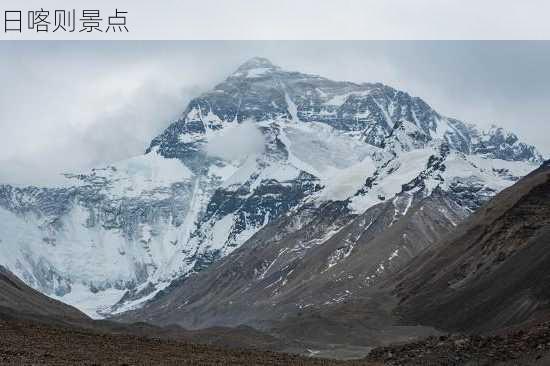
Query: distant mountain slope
314	258
261	146
495	269
31	322
36	329
18	299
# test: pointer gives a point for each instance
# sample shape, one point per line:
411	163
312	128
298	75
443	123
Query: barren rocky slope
495	269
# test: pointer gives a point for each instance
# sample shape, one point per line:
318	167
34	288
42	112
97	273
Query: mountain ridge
495	263
118	235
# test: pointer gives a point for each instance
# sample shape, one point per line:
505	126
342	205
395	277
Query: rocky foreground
520	347
24	342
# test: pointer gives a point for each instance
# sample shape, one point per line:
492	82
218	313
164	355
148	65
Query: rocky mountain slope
16	298
35	328
489	275
525	347
297	161
493	272
39	330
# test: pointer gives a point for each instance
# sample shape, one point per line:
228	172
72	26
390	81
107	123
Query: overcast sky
69	106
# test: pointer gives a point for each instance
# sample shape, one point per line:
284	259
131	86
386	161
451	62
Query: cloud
68	106
236	142
69	114
42	147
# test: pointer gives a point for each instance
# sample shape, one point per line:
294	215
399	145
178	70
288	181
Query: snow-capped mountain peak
293	140
255	67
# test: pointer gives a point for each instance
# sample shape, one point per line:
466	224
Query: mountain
493	272
311	276
38	329
19	300
268	156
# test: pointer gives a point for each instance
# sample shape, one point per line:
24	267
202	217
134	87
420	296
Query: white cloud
68	106
236	142
75	107
77	132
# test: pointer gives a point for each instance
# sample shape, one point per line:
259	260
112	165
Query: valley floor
28	342
24	342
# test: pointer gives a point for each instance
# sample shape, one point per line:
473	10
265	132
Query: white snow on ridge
253	72
132	177
88	261
19	242
339	99
403	169
319	148
495	174
90	303
292	109
344	183
340	161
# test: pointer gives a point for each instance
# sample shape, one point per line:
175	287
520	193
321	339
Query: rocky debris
523	347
